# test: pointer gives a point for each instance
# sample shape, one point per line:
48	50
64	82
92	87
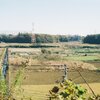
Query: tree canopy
92	39
39	38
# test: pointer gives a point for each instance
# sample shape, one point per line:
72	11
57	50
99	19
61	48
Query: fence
4	62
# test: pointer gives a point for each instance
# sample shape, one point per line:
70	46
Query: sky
50	16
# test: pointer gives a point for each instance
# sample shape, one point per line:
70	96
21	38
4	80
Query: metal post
65	73
5	63
65	78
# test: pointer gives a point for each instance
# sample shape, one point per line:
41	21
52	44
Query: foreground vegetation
71	91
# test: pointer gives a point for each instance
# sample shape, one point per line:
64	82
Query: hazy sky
50	16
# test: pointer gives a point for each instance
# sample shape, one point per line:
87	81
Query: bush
70	91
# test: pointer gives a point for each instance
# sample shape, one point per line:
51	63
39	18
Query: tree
92	39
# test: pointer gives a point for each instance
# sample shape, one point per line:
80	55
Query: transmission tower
33	34
32	28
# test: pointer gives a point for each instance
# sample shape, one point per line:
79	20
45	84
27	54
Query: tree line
92	39
19	38
45	38
38	38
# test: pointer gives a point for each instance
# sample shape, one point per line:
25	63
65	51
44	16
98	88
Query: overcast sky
50	16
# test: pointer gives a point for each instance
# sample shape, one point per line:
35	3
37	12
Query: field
45	67
39	92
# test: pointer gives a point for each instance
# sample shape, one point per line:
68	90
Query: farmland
45	66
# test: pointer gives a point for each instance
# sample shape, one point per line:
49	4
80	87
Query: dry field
40	92
44	70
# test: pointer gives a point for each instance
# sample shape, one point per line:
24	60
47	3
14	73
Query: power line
85	81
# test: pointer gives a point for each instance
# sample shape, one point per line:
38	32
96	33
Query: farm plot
49	62
45	67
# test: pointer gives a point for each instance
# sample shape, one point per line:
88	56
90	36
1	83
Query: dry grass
40	92
25	50
35	92
95	87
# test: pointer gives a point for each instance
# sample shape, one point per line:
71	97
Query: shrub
70	91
